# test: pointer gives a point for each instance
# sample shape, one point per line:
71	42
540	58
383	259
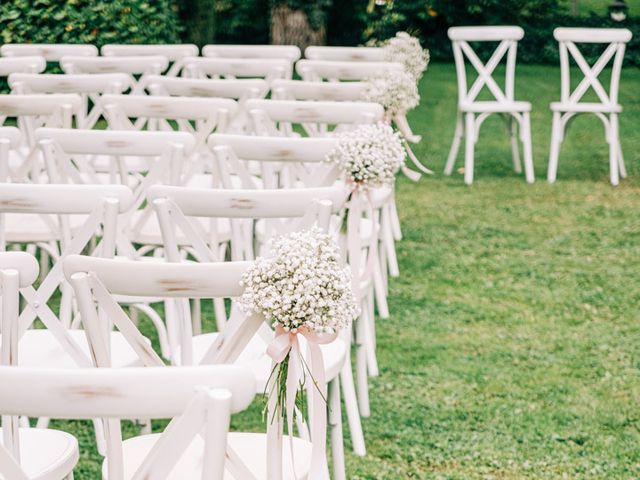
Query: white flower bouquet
369	156
405	49
396	91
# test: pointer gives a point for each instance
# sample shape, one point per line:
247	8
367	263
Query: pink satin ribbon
353	239
286	343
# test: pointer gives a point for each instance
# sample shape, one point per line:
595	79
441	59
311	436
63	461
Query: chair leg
613	148
621	165
455	145
380	291
395	220
335	426
389	243
515	149
362	377
351	407
556	140
469	147
525	135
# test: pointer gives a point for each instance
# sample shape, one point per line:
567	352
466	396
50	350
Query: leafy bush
242	21
89	21
199	20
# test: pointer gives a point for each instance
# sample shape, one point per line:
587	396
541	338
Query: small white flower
396	91
405	49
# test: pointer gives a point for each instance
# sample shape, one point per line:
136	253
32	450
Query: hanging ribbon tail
353	241
372	254
415	160
402	123
410	174
293	380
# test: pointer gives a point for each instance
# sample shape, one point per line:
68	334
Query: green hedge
89	21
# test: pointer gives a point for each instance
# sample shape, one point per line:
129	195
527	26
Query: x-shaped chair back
173	52
287	52
250	162
617	38
89	86
100	205
31	112
51	52
508	38
137	67
199	399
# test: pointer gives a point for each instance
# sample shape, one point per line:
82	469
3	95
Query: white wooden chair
51	52
572	101
331	70
345	54
96	280
64	219
287	52
173	52
29	113
473	112
138	67
9	65
88	86
236	89
216	67
195	444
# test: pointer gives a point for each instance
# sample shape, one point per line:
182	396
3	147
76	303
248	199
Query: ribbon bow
285	344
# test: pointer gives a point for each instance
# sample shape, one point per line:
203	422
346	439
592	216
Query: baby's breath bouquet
405	49
369	156
303	288
395	90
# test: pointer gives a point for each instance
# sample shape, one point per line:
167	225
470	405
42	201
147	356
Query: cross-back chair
31	112
572	101
96	281
88	86
472	111
136	66
287	52
200	401
173	52
9	141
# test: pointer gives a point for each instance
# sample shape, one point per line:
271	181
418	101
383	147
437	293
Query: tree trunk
292	27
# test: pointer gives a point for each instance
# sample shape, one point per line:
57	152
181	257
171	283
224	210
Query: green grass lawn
513	347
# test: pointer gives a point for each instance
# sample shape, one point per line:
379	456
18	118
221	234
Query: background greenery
513	347
350	22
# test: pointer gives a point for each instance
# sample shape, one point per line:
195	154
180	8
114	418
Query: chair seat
149	232
39	348
251	448
585	107
495	107
254	356
46	454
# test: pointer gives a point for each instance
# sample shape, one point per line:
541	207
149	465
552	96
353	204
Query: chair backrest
201	400
173	52
135	66
9	65
275	117
216	67
31	112
508	38
316	70
308	90
155	112
237	89
616	38
287	52
9	141
89	86
52	52
124	155
98	207
346	54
